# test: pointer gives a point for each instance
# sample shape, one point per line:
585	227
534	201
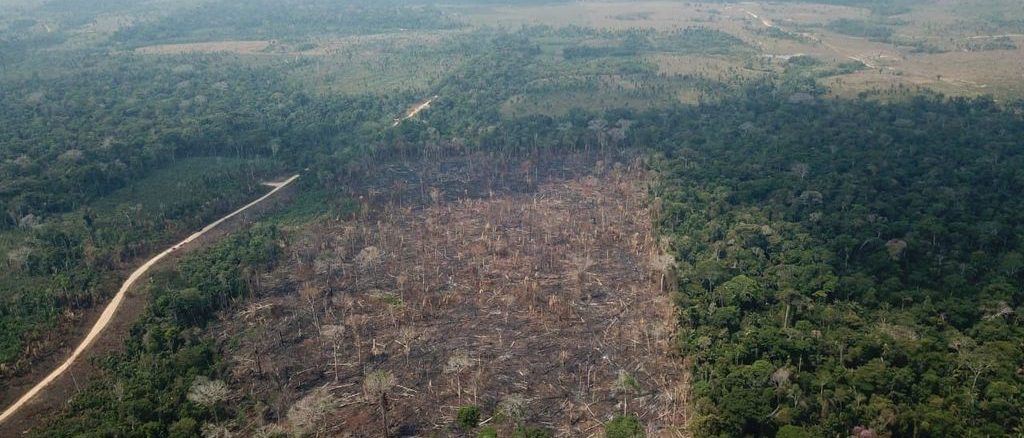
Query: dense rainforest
159	386
93	142
85	171
846	264
841	263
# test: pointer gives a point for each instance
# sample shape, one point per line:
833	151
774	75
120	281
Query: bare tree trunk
384	414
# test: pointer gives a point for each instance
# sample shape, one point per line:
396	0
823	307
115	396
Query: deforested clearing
536	296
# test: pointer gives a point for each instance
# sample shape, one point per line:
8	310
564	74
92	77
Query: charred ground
530	289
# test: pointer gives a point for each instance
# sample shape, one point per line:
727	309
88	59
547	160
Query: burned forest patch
537	298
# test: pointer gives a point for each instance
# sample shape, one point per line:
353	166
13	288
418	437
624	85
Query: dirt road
111	310
415	110
764	21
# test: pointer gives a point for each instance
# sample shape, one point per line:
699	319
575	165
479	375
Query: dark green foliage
802	61
143	389
468	417
775	32
184	428
986	44
846	263
790	431
488	432
917	45
89	154
861	28
71	260
845	68
575	52
623	426
803	68
312	201
531	432
92	180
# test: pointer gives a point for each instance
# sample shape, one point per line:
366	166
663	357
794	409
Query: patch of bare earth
206	47
539	300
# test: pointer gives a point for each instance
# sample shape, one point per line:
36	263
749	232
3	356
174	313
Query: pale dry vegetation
206	47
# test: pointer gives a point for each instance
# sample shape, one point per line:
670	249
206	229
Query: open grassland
660	15
915	56
955	47
920	53
207	47
359	64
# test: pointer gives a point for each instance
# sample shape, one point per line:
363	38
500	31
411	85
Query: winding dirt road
108	313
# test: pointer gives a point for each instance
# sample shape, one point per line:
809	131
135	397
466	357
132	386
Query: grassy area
152	191
918	45
309	204
379	63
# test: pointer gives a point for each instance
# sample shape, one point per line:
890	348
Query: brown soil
534	286
54	398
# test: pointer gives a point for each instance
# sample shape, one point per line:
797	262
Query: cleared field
206	47
415	60
356	64
532	292
607	15
782	30
890	66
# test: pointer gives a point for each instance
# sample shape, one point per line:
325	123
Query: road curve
111	309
